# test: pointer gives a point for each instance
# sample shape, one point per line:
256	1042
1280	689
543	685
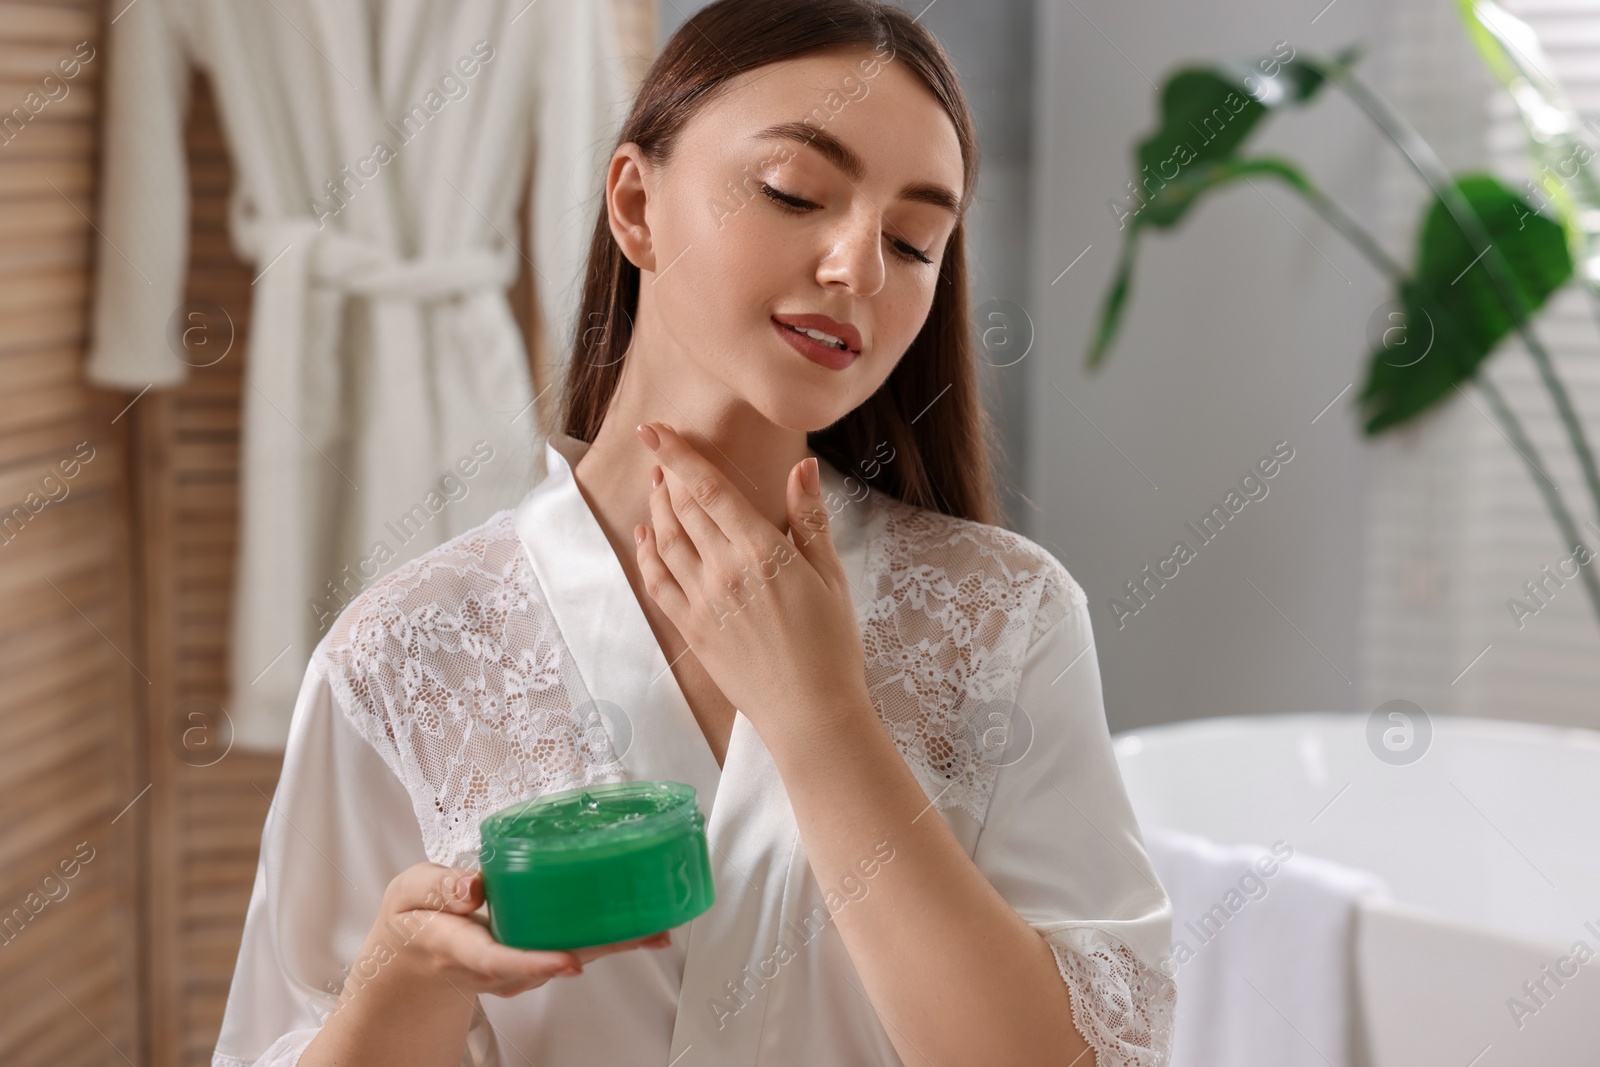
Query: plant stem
1341	220
1422	159
1552	495
1368	246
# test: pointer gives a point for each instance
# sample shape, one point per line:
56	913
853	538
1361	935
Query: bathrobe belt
362	266
391	389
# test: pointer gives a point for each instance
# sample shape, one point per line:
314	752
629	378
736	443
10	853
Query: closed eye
785	199
794	204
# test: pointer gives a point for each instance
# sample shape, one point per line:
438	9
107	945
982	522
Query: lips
820	351
821	323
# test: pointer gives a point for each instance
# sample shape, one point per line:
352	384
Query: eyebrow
845	158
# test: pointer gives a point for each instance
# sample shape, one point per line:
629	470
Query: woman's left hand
771	621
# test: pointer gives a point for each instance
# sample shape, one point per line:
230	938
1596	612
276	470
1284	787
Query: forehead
874	103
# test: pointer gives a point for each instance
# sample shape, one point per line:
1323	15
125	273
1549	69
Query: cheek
903	308
899	316
745	251
731	267
736	261
688	243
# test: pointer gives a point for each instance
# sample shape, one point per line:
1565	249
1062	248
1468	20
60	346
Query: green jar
595	865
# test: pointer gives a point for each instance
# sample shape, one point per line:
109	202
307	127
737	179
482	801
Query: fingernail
655	477
811	476
570	972
638	534
647	434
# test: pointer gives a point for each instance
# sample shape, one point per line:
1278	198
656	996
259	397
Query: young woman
761	562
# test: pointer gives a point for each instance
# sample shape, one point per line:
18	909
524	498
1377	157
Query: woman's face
823	186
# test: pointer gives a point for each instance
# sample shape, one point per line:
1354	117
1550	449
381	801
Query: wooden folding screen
116	600
75	669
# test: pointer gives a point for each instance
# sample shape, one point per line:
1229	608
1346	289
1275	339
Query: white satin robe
456	684
384	361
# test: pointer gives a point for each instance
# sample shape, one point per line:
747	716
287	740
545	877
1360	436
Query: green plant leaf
1206	114
1451	314
1185	190
1566	172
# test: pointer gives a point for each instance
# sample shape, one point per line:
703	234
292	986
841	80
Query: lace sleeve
1123	1007
452	669
1060	842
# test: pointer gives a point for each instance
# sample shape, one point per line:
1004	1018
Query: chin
805	409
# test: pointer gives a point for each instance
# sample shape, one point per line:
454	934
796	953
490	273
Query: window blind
1456	528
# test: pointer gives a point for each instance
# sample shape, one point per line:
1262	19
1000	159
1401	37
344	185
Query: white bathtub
1490	844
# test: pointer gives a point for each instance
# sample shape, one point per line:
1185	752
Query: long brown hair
929	410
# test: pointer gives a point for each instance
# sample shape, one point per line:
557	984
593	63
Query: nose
855	258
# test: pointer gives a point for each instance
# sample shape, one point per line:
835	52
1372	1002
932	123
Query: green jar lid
594	865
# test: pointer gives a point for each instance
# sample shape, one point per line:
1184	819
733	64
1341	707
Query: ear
629	185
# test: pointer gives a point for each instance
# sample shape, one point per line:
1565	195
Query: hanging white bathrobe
516	661
381	151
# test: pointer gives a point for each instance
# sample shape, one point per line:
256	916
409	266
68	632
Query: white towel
1263	946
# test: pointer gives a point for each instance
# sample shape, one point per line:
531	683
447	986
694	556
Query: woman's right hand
409	996
434	911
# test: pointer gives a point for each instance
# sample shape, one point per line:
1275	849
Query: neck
659	383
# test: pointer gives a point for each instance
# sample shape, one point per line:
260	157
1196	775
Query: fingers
706	485
676	547
705	534
435	887
659	581
501	969
594	952
448	938
477	948
809	522
508	971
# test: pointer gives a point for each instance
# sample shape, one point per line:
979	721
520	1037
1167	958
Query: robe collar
757	859
604	627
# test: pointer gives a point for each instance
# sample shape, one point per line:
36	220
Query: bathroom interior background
1369	571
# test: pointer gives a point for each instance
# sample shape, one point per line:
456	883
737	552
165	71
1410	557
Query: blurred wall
1245	324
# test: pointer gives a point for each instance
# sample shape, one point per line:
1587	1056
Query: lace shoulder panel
953	607
452	668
